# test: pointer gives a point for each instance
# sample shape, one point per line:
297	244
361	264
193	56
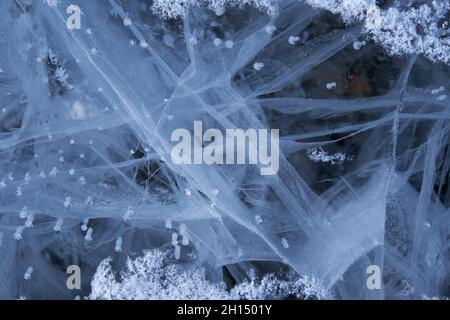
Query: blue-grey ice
358	91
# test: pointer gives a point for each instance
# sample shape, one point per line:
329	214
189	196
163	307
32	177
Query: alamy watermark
374	280
73	282
234	146
74	19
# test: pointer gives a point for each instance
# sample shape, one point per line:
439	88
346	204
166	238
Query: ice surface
86	176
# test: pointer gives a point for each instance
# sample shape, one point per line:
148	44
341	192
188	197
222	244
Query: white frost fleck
58	224
285	243
358	44
84	225
53	172
185	240
229	44
258	66
331	85
23	213
88	236
29	221
18	234
174	239
143	44
19	191
177	252
128	214
293	40
127	22
270	29
168	224
118	246
67	202
28	273
438	90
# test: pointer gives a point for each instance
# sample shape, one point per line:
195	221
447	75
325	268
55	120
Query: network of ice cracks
85	171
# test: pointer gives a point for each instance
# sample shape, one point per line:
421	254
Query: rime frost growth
171	9
411	30
152	277
418	29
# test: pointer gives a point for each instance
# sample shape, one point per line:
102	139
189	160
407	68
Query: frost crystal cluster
358	89
153	277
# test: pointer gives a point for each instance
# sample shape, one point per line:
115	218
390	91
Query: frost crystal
23	212
258	66
118	246
293	40
18	233
29	221
68	202
320	155
58	225
88	236
331	85
28	273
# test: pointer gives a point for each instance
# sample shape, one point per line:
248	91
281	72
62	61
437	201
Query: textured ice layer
86	118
